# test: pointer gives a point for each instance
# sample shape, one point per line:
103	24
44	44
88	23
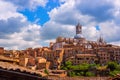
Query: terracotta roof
9	66
8	59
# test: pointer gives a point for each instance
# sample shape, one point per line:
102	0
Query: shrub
71	74
112	66
114	73
89	74
46	71
118	67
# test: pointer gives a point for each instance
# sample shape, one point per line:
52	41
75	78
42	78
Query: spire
78	29
101	40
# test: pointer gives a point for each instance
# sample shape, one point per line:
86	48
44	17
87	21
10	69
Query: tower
78	32
79	29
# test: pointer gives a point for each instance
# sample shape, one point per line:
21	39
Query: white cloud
28	33
29	4
116	3
110	31
36	3
29	36
8	10
17	44
115	43
16	32
68	14
52	29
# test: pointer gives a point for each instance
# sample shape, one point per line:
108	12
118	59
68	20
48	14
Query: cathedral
78	40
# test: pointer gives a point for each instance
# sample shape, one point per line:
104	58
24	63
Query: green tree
112	65
114	73
84	67
71	74
89	74
67	65
46	71
118	67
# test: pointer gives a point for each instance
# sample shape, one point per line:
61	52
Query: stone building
41	63
1	50
23	61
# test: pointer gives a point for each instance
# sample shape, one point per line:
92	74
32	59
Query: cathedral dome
60	39
77	36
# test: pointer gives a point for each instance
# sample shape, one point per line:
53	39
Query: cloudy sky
35	23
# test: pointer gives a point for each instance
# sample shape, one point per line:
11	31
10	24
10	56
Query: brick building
1	50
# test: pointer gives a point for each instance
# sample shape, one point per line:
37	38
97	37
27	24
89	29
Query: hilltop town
77	50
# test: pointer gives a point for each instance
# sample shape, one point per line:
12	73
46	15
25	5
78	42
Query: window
87	58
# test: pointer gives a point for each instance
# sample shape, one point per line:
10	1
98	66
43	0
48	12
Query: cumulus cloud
15	31
8	10
27	36
18	44
52	30
11	25
110	31
29	4
97	8
67	13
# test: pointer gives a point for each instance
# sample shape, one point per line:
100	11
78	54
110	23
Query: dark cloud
67	18
10	26
53	30
96	8
48	32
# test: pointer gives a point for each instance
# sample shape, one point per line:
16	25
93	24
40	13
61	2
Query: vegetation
84	69
90	74
46	71
114	68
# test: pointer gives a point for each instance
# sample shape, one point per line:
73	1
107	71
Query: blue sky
35	23
40	14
